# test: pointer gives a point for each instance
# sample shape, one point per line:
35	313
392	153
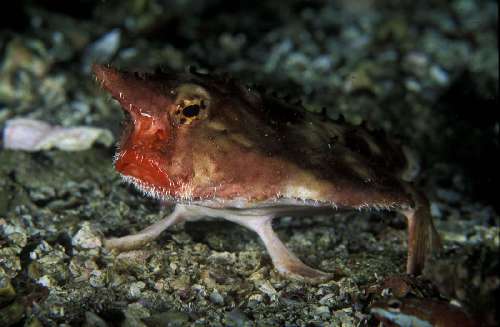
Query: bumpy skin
204	141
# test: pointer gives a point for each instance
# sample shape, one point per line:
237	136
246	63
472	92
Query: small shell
34	135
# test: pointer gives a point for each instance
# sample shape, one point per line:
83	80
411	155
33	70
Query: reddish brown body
207	141
422	313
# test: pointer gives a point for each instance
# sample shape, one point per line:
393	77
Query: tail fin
423	237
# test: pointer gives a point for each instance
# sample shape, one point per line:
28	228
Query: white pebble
86	238
439	75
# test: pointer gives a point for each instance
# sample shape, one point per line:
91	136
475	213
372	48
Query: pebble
97	279
232	43
236	317
138	310
18	239
7	291
57	311
413	85
448	195
10	263
102	50
325	299
12	313
255	299
46	281
216	297
169	319
322	311
323	64
417	62
439	75
436	210
86	238
276	53
135	290
359	80
223	258
266	288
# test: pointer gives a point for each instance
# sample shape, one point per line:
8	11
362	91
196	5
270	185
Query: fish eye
191	111
191	103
